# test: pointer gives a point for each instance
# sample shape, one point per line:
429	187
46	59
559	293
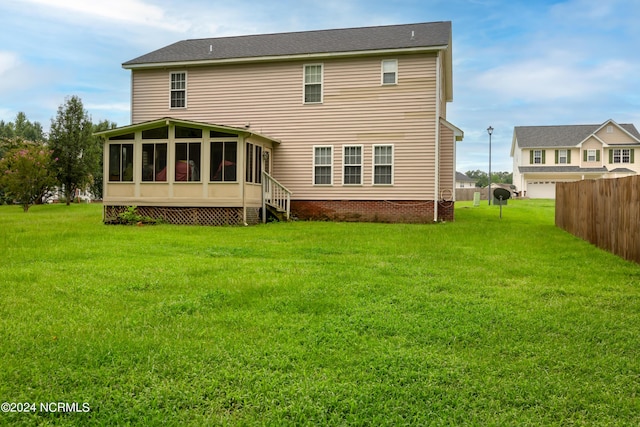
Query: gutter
273	58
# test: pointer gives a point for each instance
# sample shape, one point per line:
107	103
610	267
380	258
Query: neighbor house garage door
541	190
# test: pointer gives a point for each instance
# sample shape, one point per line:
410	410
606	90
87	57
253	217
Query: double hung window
179	90
352	172
322	165
382	164
390	72
313	84
563	157
622	155
537	157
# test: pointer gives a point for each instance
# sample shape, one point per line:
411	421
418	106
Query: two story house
345	124
544	155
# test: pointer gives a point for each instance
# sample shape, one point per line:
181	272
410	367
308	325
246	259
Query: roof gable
367	39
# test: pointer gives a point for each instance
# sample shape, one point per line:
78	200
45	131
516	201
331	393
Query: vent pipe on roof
210	48
413	35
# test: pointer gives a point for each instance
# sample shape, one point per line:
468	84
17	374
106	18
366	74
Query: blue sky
516	63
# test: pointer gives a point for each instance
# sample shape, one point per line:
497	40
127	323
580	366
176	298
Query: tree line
32	163
482	178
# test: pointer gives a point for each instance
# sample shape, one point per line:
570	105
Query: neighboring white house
463	181
544	155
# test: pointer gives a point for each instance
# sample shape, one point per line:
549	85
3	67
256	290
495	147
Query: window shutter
631	155
610	156
569	157
556	157
585	155
531	157
598	156
543	156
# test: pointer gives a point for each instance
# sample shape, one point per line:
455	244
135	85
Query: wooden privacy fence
605	212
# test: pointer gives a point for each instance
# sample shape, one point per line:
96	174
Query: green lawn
483	321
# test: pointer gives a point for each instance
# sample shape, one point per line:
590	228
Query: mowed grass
483	321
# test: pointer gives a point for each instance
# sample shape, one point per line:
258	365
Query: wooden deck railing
275	195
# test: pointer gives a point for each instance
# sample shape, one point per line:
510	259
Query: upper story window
383	164
322	165
179	90
121	162
352	173
622	155
562	157
592	155
313	84
537	157
390	72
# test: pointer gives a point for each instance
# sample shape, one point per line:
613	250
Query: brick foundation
407	211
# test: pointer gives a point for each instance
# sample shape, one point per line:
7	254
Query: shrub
131	217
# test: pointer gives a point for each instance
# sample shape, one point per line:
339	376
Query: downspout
437	141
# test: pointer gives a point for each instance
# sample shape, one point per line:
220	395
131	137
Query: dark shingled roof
422	35
461	177
560	136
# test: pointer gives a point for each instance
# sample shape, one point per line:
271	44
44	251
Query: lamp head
490	130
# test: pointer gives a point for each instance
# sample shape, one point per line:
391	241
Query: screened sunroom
188	172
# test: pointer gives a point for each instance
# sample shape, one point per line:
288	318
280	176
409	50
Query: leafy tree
28	130
21	129
77	150
26	173
482	178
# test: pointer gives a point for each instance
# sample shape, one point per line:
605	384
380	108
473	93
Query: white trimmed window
322	165
382	164
591	156
562	157
390	72
352	165
622	155
179	90
313	84
537	157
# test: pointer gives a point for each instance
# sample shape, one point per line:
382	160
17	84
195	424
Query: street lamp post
490	131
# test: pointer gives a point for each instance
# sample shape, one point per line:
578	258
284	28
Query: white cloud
124	11
8	61
548	79
115	106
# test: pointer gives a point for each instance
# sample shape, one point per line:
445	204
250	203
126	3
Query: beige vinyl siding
356	109
592	144
617	136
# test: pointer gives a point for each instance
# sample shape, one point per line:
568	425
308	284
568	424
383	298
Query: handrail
275	195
